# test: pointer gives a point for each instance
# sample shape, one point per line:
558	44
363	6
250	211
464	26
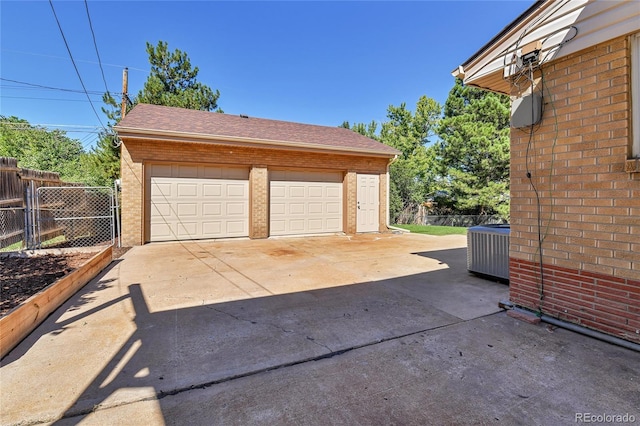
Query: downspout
395	157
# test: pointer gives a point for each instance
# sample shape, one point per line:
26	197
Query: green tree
473	152
38	148
368	130
172	81
412	174
102	163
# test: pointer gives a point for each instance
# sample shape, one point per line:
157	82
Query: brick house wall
138	153
590	207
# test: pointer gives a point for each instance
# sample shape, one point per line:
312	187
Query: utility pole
125	85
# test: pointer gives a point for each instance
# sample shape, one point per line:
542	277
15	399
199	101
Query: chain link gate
75	216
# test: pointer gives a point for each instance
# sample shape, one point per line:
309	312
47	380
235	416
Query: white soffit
595	20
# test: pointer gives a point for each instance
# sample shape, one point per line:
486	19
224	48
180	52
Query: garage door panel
163	209
185	209
297	225
236	209
185	205
309	206
278	227
161	189
333	192
278	191
315	225
187	190
236	190
235	227
334	223
211	209
296	208
186	229
316	191
296	191
212	190
278	209
212	228
315	208
162	230
334	208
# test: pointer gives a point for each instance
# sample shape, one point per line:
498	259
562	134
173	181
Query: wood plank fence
18	187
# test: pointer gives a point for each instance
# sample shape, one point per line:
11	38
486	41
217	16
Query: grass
18	246
434	229
12	247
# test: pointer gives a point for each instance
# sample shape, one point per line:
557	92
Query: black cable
74	65
535	190
40	86
86	5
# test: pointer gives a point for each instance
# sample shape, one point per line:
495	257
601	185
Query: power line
86	5
74	63
77	60
40	86
44	99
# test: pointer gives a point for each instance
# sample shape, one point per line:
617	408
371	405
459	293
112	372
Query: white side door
368	217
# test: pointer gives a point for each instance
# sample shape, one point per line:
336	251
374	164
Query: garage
188	202
191	175
305	202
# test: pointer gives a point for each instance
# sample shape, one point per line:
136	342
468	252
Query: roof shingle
180	122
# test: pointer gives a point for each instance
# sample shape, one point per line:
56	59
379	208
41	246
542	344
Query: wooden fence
17	191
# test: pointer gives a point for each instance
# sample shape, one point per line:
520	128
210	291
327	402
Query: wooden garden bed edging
23	319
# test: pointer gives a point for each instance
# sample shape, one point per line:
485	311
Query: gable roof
146	121
561	26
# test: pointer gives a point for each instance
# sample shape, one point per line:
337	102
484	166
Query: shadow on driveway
407	350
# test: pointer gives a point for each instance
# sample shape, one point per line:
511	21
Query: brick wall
137	153
590	207
259	202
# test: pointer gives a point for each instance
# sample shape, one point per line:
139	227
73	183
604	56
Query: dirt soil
22	277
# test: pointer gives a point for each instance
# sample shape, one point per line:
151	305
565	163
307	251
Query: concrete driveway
371	329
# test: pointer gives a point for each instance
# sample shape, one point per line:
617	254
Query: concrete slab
170	317
489	370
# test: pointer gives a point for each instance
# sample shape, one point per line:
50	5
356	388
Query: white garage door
305	202
195	202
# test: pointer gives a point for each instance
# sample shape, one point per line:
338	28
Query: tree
412	175
473	152
368	130
172	81
37	148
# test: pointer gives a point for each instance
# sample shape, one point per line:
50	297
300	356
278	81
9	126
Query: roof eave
460	70
138	133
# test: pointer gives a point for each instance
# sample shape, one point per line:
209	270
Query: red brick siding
597	301
590	205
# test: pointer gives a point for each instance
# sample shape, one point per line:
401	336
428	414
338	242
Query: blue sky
310	62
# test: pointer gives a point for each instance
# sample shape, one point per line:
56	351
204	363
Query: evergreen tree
473	152
412	174
171	82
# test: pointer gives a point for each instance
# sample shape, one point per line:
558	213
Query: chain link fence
75	216
449	220
11	225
